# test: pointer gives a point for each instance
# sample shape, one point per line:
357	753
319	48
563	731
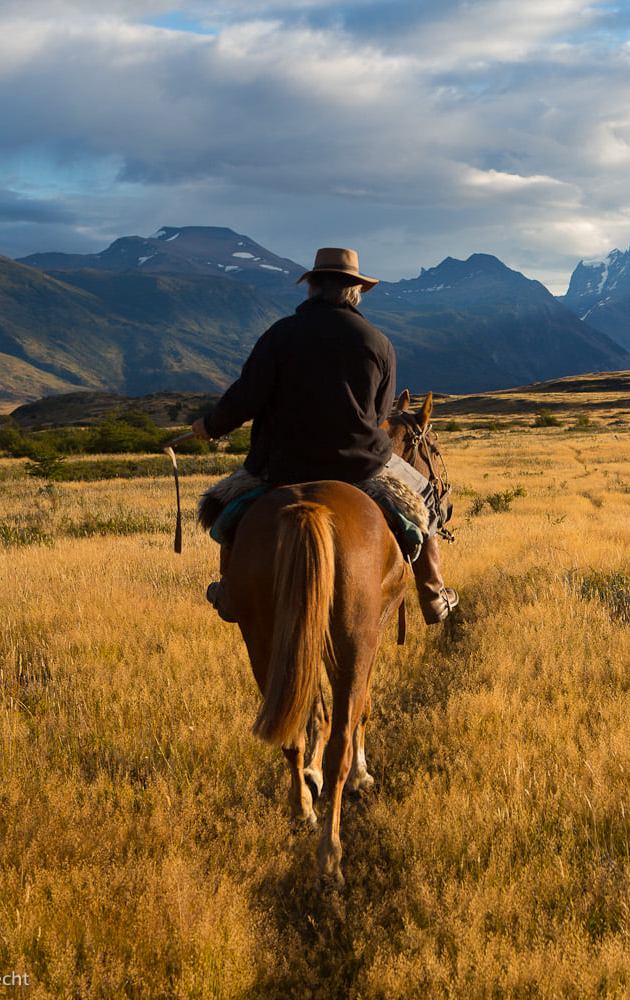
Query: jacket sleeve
386	392
246	397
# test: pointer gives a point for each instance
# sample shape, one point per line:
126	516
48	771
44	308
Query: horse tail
304	583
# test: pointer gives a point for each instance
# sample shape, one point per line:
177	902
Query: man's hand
199	430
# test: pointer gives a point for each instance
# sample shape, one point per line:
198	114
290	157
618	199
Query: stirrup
215	595
440	607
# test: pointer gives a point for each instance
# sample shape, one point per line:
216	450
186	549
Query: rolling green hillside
129	332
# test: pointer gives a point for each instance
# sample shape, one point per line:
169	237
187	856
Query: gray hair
334	289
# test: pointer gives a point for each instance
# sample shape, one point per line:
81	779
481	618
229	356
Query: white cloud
498	181
483	126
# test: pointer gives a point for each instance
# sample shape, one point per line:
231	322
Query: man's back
317	385
334	385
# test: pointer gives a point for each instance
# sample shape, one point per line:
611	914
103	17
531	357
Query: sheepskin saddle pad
222	506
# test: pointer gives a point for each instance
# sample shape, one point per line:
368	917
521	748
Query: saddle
224	504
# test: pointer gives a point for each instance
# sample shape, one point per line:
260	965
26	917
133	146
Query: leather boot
436	600
217	593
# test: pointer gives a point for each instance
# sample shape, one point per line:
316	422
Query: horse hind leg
359	778
318	733
300	798
337	763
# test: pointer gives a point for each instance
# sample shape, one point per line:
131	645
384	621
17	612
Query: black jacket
317	385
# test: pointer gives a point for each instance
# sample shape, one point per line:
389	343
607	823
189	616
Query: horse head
414	440
412	436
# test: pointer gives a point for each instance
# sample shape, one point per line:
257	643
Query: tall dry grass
146	845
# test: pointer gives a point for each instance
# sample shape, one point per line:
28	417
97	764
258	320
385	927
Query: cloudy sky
410	129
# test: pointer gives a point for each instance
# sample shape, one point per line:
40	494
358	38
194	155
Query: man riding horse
318	386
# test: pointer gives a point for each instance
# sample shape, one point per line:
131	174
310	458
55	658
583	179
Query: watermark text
15	979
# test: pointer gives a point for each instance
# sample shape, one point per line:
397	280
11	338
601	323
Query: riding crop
168	450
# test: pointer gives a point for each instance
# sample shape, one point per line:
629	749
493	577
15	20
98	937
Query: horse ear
423	416
404	401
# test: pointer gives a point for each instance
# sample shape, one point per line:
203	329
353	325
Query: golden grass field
147	850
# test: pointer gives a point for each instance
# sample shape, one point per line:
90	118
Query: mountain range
181	309
599	293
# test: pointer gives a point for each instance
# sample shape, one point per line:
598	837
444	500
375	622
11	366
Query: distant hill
128	332
599	293
181	310
85	408
189	250
603	395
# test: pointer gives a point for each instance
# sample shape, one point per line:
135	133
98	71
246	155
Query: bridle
421	447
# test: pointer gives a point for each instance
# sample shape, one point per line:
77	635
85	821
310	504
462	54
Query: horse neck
417	461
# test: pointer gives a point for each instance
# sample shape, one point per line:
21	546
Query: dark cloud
15	207
410	130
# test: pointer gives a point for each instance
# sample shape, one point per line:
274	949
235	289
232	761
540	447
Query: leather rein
421	447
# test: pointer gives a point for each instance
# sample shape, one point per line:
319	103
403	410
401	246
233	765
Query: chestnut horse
314	575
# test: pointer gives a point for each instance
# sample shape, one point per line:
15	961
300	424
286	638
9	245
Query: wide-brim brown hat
337	260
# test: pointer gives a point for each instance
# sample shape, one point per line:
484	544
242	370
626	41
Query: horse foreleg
359	778
318	732
300	798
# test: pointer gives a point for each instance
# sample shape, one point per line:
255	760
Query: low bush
498	502
581	423
546	419
238	441
153	467
133	433
46	465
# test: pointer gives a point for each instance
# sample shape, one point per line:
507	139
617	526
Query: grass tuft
611	588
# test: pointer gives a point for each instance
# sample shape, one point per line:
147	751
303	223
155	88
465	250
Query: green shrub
152	466
134	432
546	419
12	441
45	465
582	421
452	425
498	502
239	441
476	506
112	435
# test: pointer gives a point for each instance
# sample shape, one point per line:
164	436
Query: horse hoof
314	782
361	784
302	824
331	883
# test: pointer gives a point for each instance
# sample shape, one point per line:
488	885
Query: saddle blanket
223	505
